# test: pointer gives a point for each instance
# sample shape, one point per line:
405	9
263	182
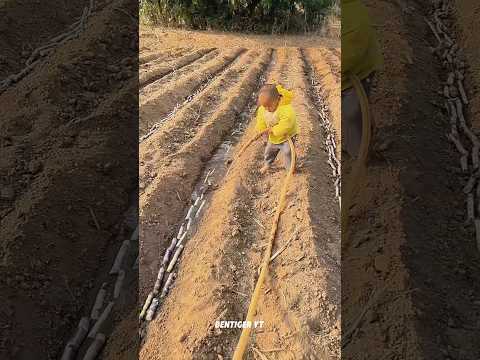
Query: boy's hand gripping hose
244	147
359	170
245	336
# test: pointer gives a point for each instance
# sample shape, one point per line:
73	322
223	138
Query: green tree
277	16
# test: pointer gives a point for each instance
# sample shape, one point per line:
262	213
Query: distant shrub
265	16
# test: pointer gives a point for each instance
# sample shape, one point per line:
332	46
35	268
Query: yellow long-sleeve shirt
283	121
361	53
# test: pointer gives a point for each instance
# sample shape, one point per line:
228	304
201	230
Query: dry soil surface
213	102
66	168
410	265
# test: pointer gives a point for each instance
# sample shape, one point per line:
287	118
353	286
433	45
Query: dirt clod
7	193
381	263
35	167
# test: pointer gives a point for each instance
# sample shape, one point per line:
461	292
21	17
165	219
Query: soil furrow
406	244
230	205
155	107
153	57
181	131
20	38
305	280
51	245
329	88
150	91
152	72
333	61
170	190
183	127
372	263
251	202
301	309
143	59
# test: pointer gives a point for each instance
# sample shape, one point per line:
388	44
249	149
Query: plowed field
410	267
67	172
195	116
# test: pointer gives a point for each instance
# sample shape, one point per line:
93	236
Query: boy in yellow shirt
276	114
361	56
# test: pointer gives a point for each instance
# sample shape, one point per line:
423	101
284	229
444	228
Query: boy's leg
287	154
351	122
352	118
271	151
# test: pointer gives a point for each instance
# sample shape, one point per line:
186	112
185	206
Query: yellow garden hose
245	336
359	169
244	147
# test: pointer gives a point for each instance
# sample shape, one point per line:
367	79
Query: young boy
276	114
361	56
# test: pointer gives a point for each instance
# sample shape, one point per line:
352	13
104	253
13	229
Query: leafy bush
272	16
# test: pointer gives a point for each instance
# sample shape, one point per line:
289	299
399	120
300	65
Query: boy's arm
286	123
260	125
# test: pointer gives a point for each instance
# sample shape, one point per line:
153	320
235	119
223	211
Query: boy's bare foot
265	168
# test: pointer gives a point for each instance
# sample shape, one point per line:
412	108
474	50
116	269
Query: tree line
265	16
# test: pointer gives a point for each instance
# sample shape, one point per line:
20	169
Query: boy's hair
271	90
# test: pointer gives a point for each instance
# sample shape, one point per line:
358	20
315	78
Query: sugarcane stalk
158	281
146	305
152	309
95	347
118	284
180	232
470	184
135	234
117	264
80	334
462	92
470	207
175	258
167	285
477	233
180	242
464	163
167	255
106	312
97	306
190	212
200	209
189	225
69	353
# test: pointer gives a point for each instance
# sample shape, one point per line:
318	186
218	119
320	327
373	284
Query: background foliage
267	16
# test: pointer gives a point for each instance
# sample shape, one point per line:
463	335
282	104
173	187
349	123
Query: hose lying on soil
245	336
359	170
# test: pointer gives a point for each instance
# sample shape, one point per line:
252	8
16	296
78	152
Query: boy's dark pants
272	150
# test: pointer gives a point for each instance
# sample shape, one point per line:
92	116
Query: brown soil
156	68
159	56
56	171
410	271
20	35
154	38
329	86
180	149
300	311
468	28
159	98
332	58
